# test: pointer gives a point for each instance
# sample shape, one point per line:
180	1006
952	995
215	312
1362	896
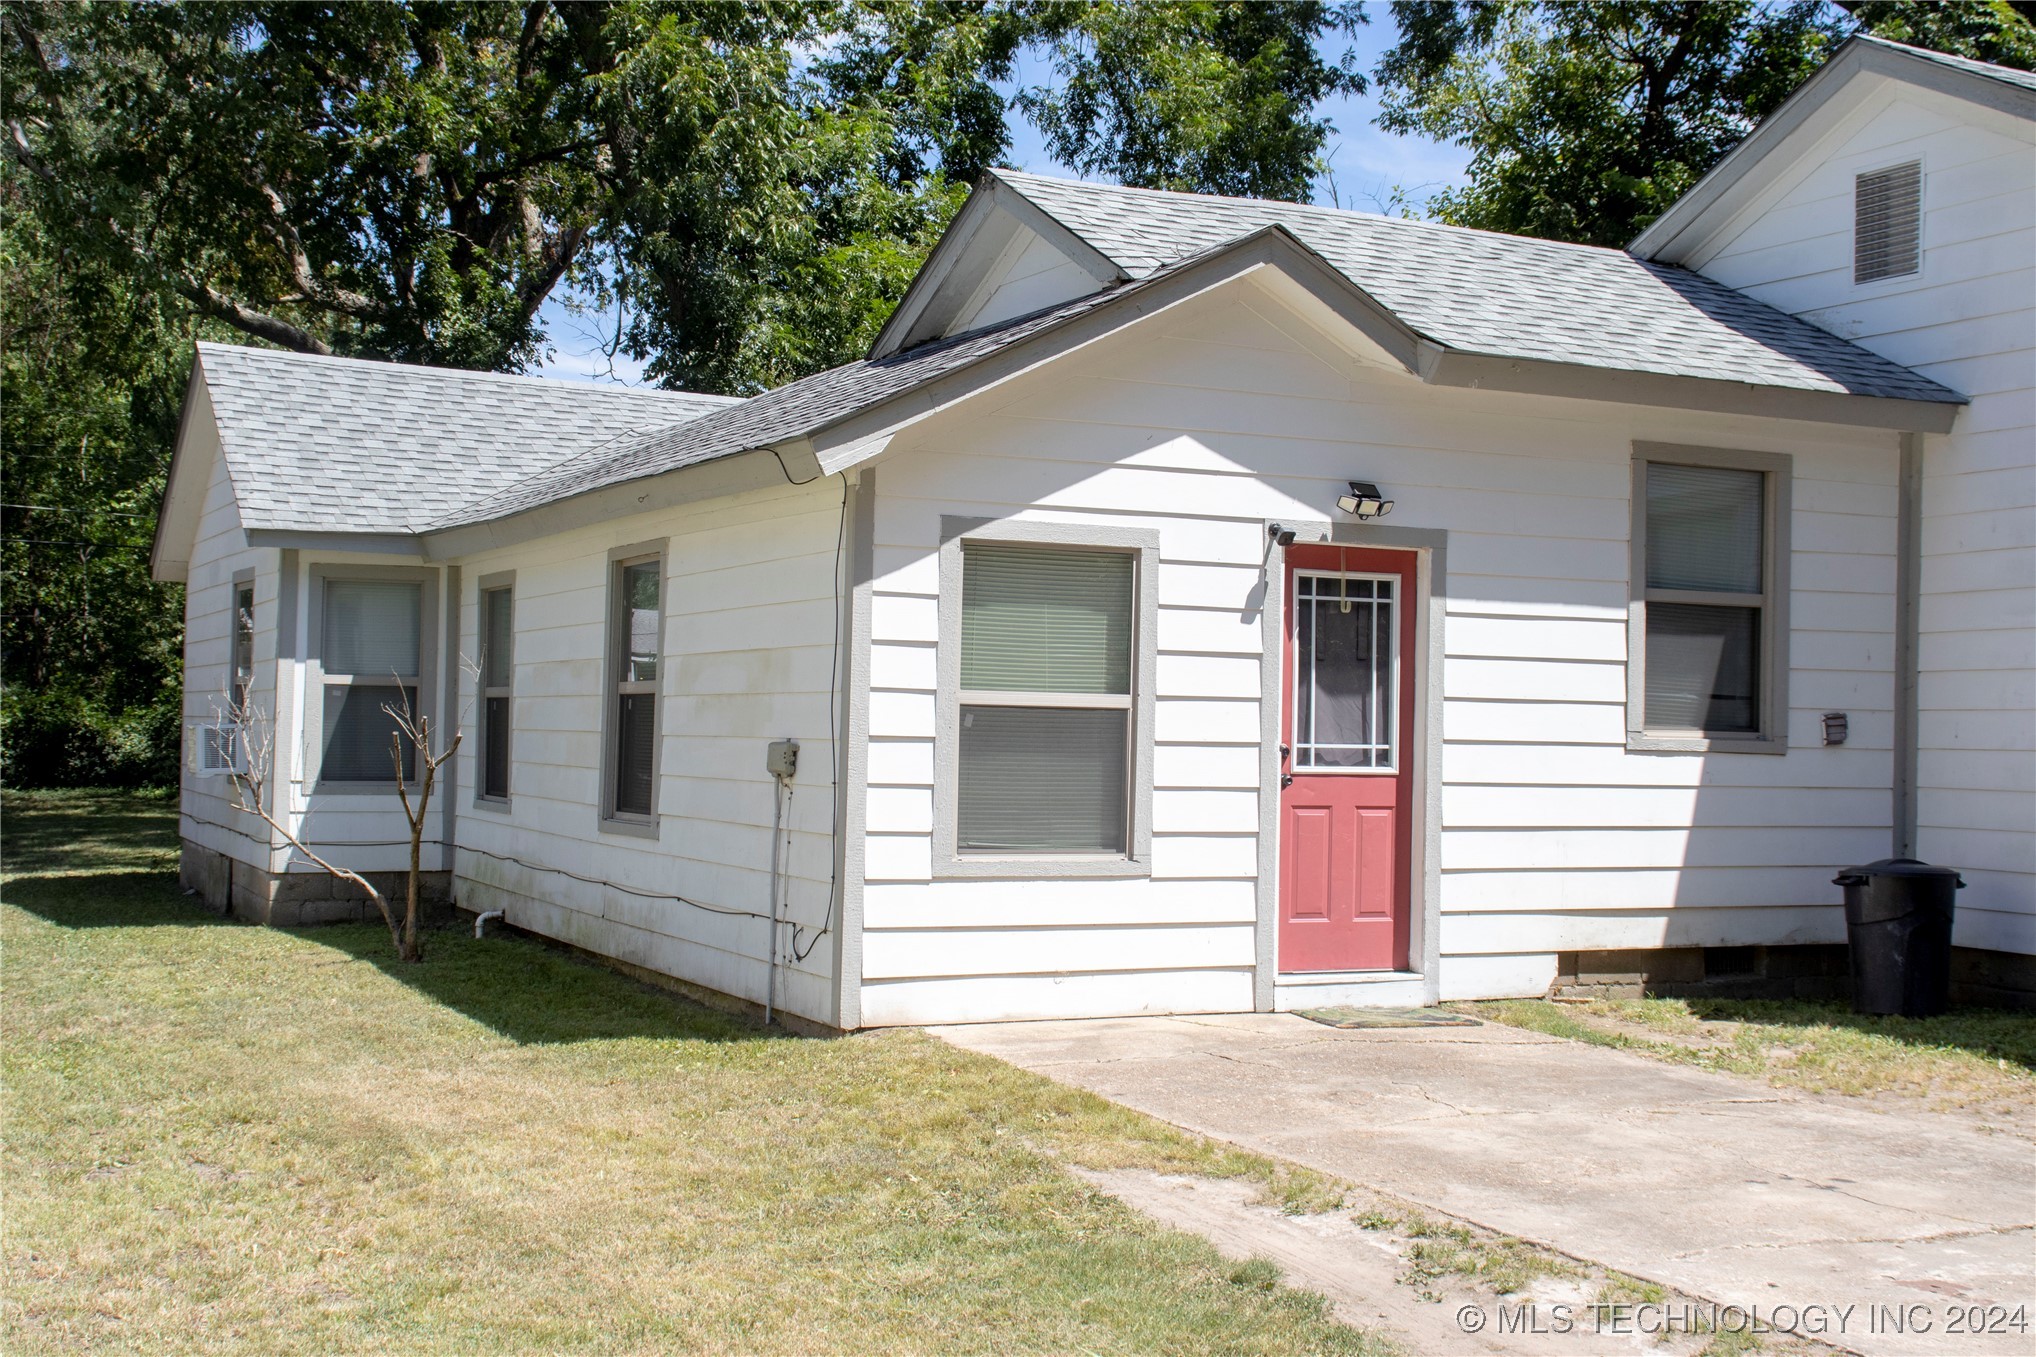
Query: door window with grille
1346	700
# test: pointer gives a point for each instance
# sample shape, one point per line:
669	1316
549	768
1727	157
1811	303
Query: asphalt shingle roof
343	445
790	411
1512	296
348	445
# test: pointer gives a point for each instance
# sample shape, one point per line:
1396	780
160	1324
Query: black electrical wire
503	857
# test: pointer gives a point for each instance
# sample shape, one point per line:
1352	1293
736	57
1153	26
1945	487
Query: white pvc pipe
480	919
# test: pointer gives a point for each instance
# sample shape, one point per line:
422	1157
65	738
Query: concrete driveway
1715	1185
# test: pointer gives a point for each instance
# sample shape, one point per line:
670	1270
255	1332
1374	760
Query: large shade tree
745	189
753	184
1585	121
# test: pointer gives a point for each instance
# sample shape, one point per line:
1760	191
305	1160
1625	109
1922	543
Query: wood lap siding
1967	319
1228	414
218	552
748	655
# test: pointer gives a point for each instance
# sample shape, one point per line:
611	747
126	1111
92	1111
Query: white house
1710	569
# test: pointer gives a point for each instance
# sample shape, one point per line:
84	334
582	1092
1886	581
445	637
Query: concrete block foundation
303	898
1810	971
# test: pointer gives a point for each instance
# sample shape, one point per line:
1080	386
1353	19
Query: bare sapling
254	737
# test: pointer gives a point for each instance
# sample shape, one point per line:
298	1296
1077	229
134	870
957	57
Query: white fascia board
1858	70
967	252
404	544
1271	258
183	501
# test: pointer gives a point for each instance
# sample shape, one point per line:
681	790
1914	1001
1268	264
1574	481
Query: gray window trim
1772	737
610	820
487	584
948	863
315	677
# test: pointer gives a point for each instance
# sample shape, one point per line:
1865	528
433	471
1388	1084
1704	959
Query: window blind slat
1042	780
1036	619
1703	668
636	744
372	627
495	743
359	731
1704	528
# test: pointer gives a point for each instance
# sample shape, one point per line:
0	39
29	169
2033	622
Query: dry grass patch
1976	1060
224	1138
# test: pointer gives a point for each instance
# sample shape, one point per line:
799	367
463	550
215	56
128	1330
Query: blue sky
1365	166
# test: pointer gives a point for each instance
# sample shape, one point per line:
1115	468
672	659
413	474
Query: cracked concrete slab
1707	1183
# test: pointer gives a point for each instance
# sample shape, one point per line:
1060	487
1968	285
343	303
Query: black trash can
1898	925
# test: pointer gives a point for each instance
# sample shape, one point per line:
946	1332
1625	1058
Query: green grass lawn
219	1137
1976	1059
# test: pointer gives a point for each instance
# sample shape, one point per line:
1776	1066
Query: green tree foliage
1202	97
1586	121
2000	31
91	378
748	187
753	183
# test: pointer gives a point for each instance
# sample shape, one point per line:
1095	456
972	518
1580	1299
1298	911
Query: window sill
387	789
1705	744
635	829
499	805
1041	868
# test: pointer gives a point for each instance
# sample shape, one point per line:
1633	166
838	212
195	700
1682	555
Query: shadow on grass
84	830
518	987
535	994
116	899
1996	1033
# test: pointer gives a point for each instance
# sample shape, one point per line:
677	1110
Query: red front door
1347	734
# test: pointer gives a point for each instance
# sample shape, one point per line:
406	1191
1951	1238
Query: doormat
1346	1018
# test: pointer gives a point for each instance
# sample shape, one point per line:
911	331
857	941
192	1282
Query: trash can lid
1901	867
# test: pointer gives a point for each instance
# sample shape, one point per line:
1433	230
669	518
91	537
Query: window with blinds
636	632
371	648
1044	756
1887	223
1706	593
498	667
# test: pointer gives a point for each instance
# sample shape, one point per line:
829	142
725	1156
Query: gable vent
1887	222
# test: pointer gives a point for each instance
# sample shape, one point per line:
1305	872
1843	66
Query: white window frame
613	688
317	678
1777	469
949	863
502	582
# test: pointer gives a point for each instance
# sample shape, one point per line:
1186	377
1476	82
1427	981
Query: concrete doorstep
1875	1231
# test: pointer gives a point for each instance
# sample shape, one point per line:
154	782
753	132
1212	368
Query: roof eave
407	544
1499	372
162	568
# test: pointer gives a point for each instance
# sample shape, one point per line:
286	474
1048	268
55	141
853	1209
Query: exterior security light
1365	501
1280	533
